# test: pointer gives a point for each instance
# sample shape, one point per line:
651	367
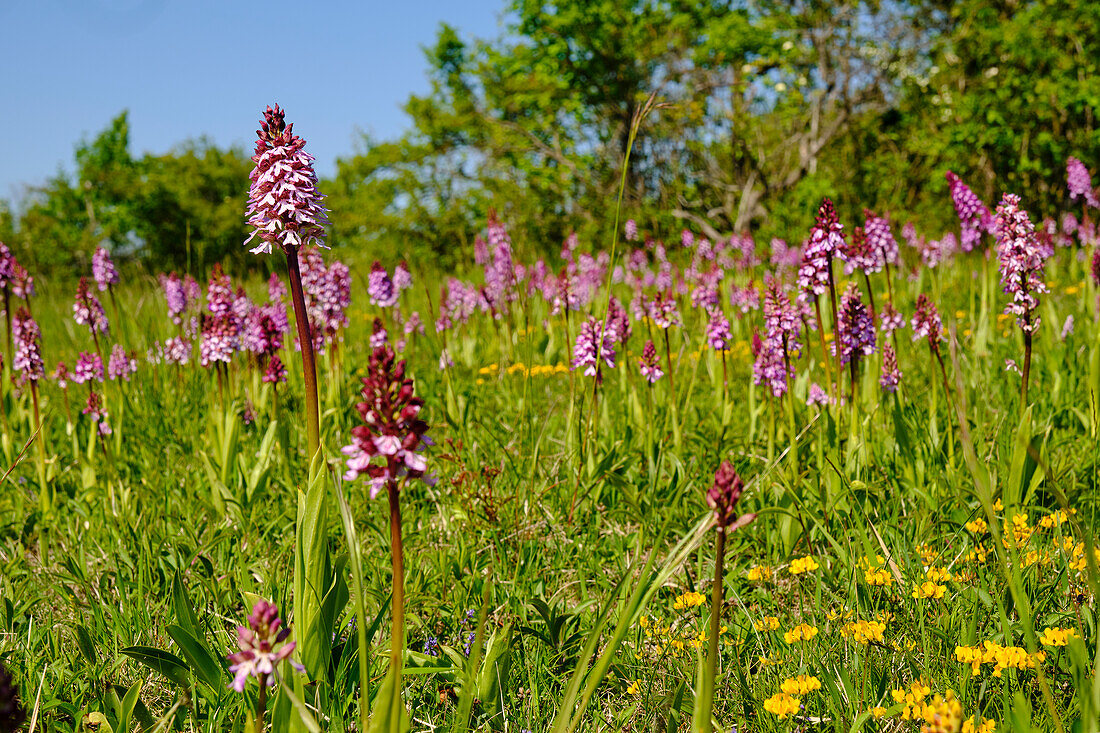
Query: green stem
1027	364
397	556
261	704
833	387
309	364
703	721
45	495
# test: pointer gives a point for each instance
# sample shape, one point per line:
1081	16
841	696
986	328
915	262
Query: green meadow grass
549	500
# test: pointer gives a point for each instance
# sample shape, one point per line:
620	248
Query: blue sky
185	69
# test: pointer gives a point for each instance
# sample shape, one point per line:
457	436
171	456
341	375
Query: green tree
184	208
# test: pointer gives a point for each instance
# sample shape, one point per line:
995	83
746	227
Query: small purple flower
817	396
103	269
219	341
973	214
718	330
863	255
926	322
631	230
618	322
1021	258
431	647
121	365
771	367
826	241
687	238
380	288
28	355
1067	327
89	367
856	328
879	237
890	320
87	310
722	498
219	292
784	257
392	429
663	312
891	373
335	298
22	283
1079	182
176	296
649	365
781	318
745	299
378	336
284	206
402	278
61	375
594	347
97	411
260	650
7	265
177	351
275	373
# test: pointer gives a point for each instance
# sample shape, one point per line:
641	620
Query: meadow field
845	481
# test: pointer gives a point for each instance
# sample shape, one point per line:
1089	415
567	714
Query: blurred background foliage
763	107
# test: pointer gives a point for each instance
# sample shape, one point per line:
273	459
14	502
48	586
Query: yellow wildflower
1057	637
802	632
977	526
803	565
912	699
691	599
1057	519
929	589
759	573
769	623
878	577
986	726
782	705
800	685
863	632
938	575
977	553
942	715
634	688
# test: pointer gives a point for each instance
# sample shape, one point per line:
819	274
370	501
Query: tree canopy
754	109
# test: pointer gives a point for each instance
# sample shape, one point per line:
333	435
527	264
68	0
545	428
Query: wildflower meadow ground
846	481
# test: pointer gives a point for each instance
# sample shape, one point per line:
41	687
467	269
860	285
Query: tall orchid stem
261	704
825	351
871	297
1027	363
7	316
45	496
836	328
672	390
793	435
716	600
309	362
397	556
